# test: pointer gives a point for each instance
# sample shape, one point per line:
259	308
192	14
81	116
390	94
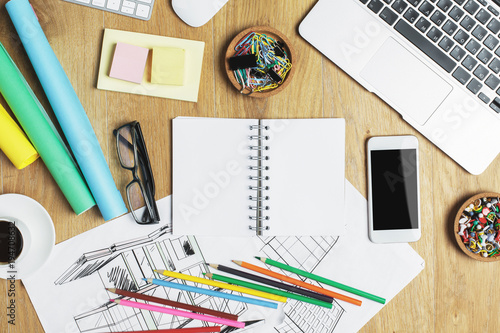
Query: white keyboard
140	9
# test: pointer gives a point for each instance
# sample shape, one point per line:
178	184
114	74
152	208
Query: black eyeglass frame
141	160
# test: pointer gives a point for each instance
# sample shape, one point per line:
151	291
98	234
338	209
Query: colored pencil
322	279
180	313
174	304
214	293
298	282
222	285
274	283
207	329
268	289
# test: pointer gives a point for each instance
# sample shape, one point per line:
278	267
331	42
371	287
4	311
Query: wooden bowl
276	35
457	227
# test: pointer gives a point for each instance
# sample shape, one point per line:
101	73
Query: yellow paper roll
14	143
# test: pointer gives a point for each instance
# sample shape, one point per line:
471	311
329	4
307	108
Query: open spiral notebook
272	177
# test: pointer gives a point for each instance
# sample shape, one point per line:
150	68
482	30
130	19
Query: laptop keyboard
461	36
140	9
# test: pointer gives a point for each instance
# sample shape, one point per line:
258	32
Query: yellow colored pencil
222	285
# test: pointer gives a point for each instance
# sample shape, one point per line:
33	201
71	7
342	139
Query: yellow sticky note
168	66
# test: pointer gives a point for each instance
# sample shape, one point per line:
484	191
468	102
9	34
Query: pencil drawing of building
123	265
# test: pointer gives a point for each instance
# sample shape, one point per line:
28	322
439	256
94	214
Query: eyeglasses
133	156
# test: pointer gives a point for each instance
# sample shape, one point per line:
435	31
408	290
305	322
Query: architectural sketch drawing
123	265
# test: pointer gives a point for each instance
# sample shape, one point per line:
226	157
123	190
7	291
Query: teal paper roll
40	131
68	110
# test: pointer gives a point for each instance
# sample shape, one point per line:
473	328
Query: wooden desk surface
452	294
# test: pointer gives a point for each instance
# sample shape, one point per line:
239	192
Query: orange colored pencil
297	282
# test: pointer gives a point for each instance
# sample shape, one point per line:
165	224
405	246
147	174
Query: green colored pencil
322	280
270	290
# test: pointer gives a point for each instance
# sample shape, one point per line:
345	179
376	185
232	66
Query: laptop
436	62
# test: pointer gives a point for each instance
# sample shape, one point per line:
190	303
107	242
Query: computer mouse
197	12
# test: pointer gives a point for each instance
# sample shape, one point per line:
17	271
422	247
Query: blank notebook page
303	176
306	176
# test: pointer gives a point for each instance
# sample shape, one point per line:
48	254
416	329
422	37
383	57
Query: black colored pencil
273	283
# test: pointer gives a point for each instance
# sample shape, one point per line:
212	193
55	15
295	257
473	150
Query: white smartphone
393	189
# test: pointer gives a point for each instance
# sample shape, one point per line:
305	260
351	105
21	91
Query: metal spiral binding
259	209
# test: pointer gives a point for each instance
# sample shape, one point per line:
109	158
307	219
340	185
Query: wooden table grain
452	294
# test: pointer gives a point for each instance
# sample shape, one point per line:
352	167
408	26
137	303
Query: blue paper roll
68	110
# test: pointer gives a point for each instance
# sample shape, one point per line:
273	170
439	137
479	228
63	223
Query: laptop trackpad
404	81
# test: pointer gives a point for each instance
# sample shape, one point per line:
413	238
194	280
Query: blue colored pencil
212	293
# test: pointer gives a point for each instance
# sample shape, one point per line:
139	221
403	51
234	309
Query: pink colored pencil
183	330
180	313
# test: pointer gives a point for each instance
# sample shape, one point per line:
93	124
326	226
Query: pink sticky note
129	62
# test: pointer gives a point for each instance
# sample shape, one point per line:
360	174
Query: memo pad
192	66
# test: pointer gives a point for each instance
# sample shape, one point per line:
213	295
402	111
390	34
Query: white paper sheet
121	252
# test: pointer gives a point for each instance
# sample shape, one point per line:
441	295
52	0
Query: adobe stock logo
361	39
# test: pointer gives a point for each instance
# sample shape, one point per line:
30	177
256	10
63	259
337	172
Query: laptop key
484	98
460	2
490	42
461	37
422	24
483	16
468	23
411	15
484	56
375	6
461	75
444	5
474	86
399	6
388	16
449	27
414	2
492	81
495	65
479	32
494	26
438	18
456	13
471	7
426	8
425	45
481	72
457	53
493	10
446	43
434	34
469	62
495	105
473	46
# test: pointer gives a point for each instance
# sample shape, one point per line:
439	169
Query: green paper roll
40	130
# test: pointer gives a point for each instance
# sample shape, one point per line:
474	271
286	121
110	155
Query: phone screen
394	189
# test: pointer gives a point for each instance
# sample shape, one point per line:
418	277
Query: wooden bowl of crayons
477	227
259	61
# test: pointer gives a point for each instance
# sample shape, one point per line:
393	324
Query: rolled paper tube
68	109
35	122
14	143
